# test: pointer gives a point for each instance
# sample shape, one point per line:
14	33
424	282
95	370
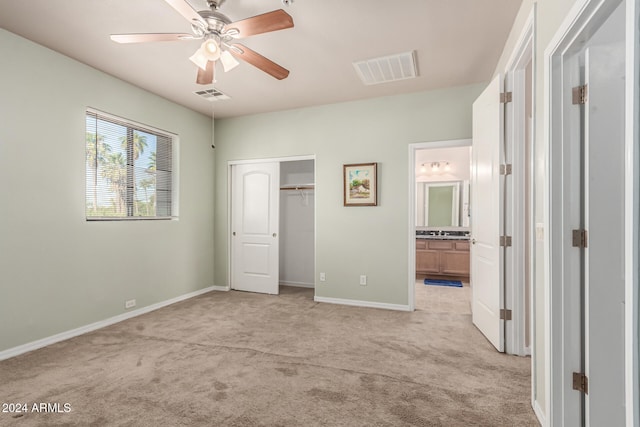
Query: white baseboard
34	345
370	304
220	288
538	411
298	284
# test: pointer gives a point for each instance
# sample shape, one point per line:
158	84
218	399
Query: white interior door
254	227
604	222
486	213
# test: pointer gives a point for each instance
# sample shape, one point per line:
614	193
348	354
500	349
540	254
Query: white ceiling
458	42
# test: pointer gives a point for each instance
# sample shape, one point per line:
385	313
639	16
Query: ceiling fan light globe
199	59
228	61
210	50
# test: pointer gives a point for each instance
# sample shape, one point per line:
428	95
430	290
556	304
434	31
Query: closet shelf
298	187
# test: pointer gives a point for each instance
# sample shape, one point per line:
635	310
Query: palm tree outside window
128	169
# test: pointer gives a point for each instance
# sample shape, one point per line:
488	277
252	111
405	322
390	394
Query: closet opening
272	224
297	224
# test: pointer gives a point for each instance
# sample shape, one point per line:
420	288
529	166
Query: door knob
275	234
234	233
473	241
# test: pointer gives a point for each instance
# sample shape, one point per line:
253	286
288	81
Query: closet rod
299	187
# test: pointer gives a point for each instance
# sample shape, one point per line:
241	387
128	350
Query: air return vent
387	68
212	95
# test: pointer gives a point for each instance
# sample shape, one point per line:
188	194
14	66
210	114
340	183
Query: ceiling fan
219	34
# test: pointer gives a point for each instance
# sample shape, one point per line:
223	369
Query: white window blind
128	169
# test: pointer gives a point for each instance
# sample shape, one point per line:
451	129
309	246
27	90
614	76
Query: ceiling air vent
212	95
387	68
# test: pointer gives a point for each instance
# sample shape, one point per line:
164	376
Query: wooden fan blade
270	21
150	37
205	77
185	9
259	61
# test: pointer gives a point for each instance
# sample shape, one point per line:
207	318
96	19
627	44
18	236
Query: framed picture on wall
360	184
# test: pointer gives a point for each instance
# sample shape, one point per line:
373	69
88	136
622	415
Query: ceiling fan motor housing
215	21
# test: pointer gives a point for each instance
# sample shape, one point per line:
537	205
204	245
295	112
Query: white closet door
254	227
486	213
604	221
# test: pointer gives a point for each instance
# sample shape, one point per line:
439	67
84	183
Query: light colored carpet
443	299
242	359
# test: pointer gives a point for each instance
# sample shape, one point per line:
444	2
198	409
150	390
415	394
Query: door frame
231	163
632	214
515	128
582	19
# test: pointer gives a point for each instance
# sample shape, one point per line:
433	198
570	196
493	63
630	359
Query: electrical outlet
363	280
323	277
130	303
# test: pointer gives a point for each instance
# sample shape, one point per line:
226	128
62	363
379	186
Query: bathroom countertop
443	234
440	237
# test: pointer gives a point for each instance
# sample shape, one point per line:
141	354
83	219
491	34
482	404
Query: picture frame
360	184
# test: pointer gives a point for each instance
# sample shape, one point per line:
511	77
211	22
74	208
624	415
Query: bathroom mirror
442	204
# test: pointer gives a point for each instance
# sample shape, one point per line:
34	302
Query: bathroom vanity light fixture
436	166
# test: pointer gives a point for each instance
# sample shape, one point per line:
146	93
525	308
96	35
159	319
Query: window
128	169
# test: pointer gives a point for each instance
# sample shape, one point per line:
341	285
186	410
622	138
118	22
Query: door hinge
506	314
579	95
506	169
579	238
506	97
580	382
505	241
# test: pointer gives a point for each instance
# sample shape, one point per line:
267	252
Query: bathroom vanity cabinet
442	257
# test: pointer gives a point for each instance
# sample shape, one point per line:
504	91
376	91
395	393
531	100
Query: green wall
59	272
350	241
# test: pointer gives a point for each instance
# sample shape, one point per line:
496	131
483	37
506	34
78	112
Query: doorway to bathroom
442	252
